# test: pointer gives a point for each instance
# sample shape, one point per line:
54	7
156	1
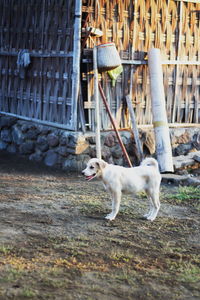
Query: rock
37	156
51	158
12	148
3	145
180	179
118	162
183	149
116	151
62	150
42	143
196	157
91	140
75	163
70	164
182	162
92	151
106	153
24	127
110	140
53	140
196	141
179	136
72	141
193	153
17	135
7	121
79	148
32	134
44	130
63	141
26	147
6	135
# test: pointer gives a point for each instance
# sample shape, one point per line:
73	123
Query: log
161	128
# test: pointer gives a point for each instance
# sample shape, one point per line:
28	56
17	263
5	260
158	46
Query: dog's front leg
116	199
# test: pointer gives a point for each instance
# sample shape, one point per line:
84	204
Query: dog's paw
110	217
151	218
146	216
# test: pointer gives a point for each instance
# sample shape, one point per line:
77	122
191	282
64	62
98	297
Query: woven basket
107	57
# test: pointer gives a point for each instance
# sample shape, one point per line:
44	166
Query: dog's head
94	168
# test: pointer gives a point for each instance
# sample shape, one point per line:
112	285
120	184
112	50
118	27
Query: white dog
117	179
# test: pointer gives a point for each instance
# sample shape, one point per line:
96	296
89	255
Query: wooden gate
46	90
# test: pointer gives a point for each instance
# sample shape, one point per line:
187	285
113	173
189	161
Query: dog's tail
150	161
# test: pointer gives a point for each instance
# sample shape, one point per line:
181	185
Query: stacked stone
71	150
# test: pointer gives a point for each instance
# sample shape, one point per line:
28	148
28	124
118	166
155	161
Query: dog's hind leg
156	206
148	214
116	199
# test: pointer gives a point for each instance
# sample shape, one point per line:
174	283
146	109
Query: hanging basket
107	57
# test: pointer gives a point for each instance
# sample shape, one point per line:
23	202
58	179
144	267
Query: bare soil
56	244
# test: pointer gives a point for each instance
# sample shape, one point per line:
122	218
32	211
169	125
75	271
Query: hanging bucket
107	57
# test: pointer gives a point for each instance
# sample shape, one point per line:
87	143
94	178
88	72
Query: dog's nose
83	173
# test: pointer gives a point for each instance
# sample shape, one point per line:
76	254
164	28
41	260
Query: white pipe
161	128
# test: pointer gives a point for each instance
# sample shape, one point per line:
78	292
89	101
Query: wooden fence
135	27
50	31
47	90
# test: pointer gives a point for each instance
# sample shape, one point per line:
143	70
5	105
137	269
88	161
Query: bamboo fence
135	27
49	30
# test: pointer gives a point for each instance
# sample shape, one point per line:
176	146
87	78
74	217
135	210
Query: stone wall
70	151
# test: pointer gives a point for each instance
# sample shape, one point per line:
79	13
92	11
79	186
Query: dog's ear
101	164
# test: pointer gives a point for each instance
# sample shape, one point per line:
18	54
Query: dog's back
150	161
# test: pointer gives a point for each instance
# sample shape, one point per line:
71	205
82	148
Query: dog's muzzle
89	177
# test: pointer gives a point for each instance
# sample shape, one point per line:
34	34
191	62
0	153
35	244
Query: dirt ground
56	244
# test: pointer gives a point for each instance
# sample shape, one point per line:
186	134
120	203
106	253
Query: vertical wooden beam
97	110
177	106
76	63
135	129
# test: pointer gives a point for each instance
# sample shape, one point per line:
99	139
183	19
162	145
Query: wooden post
114	126
161	129
176	105
134	128
76	62
97	110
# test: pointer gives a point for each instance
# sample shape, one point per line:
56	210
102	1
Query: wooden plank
97	107
76	61
176	109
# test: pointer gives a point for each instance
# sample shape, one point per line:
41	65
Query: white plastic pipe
161	128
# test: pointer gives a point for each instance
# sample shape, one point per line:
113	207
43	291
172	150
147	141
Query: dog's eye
91	167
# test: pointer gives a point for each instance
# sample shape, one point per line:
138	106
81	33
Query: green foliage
185	193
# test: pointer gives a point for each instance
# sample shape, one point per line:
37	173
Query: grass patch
185	194
28	293
5	250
